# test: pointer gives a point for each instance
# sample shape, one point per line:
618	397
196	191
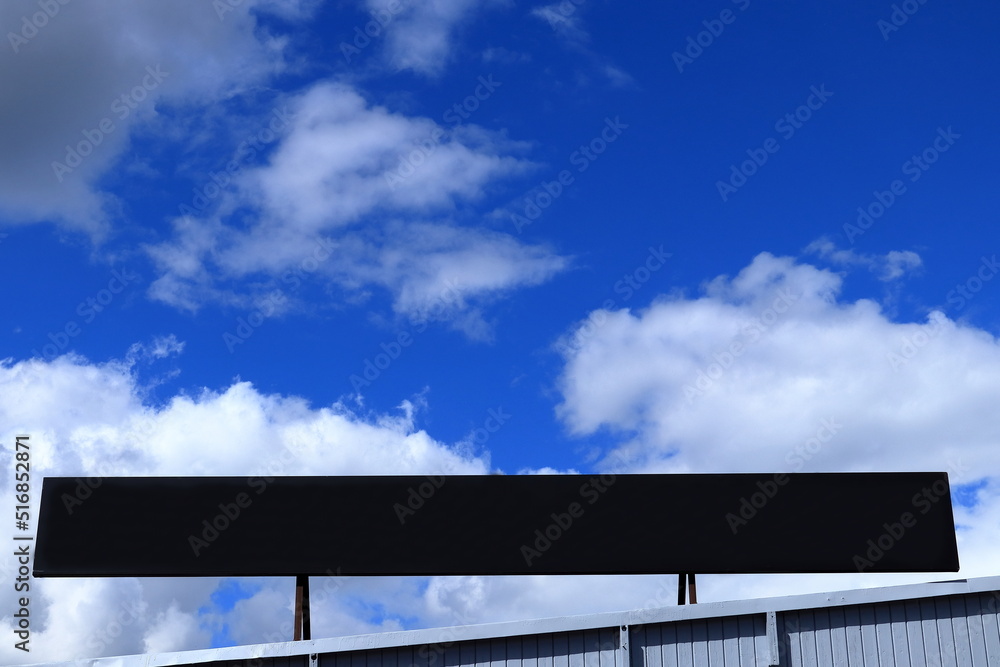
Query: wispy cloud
382	187
888	267
566	20
422	38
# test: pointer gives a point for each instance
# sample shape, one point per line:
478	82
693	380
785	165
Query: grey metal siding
948	631
732	641
587	648
955	631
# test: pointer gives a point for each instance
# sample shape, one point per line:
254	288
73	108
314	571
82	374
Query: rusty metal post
692	593
303	628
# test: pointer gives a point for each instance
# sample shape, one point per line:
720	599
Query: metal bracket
774	656
623	658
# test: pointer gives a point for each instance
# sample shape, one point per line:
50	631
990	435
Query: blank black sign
496	525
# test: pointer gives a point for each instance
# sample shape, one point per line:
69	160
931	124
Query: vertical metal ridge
774	657
624	655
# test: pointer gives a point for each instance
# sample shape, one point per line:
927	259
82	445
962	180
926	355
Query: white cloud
90	420
737	378
899	262
357	187
438	272
87	418
769	371
888	267
566	20
421	37
339	164
345	158
92	74
172	628
562	18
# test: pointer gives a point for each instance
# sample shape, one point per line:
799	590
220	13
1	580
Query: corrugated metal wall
730	641
958	630
947	631
588	648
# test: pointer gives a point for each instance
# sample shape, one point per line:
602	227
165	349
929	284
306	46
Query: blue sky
369	237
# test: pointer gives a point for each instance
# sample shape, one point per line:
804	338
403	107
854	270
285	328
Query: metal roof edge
448	635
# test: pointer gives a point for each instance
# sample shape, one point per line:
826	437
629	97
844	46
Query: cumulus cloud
90	419
88	76
369	191
736	378
770	370
344	158
766	370
87	419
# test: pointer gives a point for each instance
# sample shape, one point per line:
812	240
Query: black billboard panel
496	525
